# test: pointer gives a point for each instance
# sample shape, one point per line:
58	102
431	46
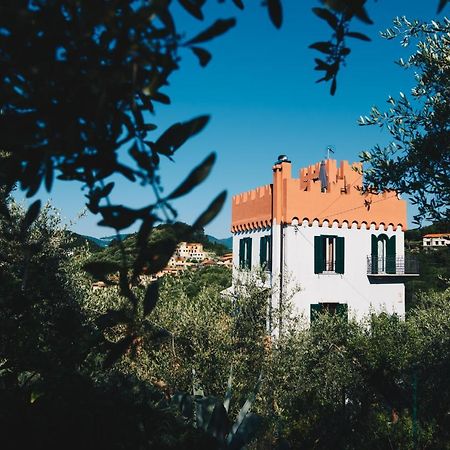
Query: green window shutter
315	310
249	253
374	254
318	254
390	255
342	310
263	252
241	253
340	256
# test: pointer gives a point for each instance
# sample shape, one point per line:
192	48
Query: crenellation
341	200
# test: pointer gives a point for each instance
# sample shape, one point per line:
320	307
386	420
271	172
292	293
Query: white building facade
436	240
344	250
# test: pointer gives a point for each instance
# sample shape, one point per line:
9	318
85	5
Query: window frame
322	243
245	253
265	252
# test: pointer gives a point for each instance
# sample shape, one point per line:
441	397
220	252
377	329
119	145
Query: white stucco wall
256	236
354	288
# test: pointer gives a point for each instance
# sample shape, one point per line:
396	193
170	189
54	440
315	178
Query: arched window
383	254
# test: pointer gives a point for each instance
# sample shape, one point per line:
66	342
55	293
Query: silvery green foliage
212	415
416	161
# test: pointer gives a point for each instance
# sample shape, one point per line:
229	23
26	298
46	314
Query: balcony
403	266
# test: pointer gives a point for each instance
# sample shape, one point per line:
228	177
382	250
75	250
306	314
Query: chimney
281	172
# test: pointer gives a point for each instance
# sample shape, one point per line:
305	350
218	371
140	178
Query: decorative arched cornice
329	223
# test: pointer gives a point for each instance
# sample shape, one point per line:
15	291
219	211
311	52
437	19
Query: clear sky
260	90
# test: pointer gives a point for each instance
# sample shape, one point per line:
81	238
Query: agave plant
211	415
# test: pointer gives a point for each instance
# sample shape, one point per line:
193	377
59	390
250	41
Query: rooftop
323	191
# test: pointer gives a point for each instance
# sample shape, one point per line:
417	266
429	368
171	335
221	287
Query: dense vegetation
84	369
434	263
382	384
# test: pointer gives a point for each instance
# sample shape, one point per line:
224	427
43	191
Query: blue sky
260	90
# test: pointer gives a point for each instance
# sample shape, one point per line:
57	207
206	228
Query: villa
343	248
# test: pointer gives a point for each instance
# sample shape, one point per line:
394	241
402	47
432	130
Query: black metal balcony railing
397	265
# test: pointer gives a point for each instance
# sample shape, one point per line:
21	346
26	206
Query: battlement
343	177
324	192
252	195
252	209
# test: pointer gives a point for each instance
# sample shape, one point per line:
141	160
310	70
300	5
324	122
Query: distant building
345	250
436	240
226	260
190	250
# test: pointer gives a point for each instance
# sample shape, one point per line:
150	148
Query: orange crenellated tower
322	192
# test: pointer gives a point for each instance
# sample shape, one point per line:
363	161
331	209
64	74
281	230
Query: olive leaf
194	178
219	27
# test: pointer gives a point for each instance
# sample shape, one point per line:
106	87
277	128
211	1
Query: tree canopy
417	160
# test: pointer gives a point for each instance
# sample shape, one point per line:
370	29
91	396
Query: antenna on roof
330	149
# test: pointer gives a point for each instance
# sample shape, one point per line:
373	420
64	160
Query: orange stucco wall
303	198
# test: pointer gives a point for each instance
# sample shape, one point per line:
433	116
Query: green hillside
176	232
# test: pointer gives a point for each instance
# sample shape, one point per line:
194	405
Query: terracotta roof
433	235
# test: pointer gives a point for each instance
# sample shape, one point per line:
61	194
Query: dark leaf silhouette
362	15
441	6
118	217
106	190
325	14
151	297
239	4
275	12
321	65
193	7
194	178
324	47
176	135
30	216
333	86
219	27
155	256
203	55
150	126
211	212
49	174
161	98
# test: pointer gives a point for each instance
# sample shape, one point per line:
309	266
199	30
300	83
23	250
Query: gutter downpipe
280	305
271	262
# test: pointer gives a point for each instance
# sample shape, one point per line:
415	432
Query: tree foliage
68	367
54	389
375	385
416	161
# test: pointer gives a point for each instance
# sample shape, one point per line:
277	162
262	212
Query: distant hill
106	240
78	240
109	250
226	242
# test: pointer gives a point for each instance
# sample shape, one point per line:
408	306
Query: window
339	309
328	254
265	252
383	254
245	253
